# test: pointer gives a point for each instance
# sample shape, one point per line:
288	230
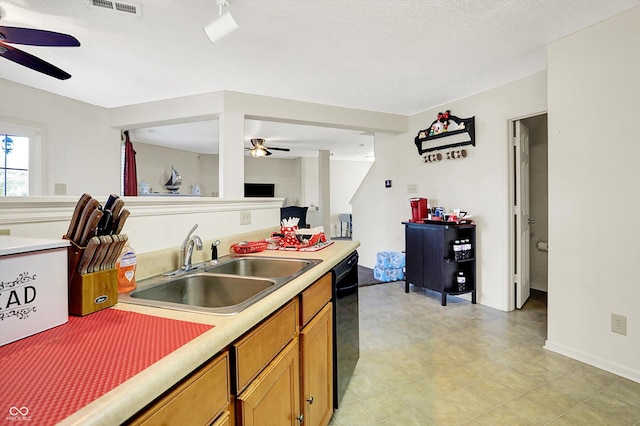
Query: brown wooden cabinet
316	340
314	297
273	398
200	398
255	350
288	390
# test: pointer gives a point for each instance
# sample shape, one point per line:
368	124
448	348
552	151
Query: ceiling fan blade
279	149
35	37
28	60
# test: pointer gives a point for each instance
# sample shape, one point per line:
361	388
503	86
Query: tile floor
425	364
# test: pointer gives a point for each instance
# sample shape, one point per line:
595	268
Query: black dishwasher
346	324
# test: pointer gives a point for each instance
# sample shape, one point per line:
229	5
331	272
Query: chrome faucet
186	250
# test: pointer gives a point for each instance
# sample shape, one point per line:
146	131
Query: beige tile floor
425	364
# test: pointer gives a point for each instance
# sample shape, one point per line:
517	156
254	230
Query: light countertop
131	396
16	245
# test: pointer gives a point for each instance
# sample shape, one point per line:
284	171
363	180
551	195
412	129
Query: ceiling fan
260	149
33	37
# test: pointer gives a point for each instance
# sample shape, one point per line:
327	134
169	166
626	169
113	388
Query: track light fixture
223	25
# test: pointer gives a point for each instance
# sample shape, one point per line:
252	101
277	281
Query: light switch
59	189
245	218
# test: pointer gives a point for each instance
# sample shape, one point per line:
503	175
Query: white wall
153	164
285	173
593	194
209	175
79	148
478	183
346	177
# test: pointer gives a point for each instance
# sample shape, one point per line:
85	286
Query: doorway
529	201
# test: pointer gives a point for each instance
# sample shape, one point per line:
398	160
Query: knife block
92	292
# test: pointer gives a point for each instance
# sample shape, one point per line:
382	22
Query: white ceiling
303	141
401	56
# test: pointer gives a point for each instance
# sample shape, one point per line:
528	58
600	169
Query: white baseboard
602	364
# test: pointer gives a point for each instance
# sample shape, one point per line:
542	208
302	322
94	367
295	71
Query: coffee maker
419	209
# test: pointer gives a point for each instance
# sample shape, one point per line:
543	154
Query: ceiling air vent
118	6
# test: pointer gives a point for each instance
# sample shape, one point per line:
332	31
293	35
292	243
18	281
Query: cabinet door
273	398
414	248
433	257
199	398
317	368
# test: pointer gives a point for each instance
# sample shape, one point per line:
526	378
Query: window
21	161
14	165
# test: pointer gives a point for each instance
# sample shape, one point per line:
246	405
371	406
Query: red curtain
130	172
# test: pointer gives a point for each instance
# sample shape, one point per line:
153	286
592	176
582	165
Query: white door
523	279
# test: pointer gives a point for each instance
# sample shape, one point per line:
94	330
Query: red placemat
315	247
47	377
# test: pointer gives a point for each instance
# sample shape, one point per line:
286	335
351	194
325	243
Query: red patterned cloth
47	377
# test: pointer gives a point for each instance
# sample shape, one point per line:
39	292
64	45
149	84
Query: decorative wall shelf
439	132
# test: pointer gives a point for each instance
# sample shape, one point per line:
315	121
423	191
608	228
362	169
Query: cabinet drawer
256	349
314	298
200	398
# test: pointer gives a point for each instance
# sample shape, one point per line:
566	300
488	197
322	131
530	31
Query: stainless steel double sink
223	287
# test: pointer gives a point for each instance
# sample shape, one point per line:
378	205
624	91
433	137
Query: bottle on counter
126	266
457	250
461	280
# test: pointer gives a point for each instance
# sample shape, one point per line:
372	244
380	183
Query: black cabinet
432	263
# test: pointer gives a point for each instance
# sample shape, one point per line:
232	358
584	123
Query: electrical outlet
245	218
412	188
59	189
619	324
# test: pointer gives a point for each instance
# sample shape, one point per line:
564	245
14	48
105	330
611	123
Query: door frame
513	247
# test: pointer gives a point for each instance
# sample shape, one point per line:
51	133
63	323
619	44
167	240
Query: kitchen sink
224	287
261	266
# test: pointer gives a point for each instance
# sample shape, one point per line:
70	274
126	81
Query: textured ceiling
401	56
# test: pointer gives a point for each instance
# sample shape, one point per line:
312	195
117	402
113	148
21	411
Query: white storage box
33	286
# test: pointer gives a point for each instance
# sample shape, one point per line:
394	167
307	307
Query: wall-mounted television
259	189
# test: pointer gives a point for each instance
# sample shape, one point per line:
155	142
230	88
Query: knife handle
118	205
88	255
101	251
91	227
108	243
104	227
121	220
109	203
91	205
77	212
118	244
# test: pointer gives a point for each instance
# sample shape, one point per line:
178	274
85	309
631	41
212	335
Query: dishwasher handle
344	267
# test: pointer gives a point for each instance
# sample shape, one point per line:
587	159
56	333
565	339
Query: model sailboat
174	182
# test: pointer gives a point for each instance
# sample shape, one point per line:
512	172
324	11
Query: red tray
252	247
